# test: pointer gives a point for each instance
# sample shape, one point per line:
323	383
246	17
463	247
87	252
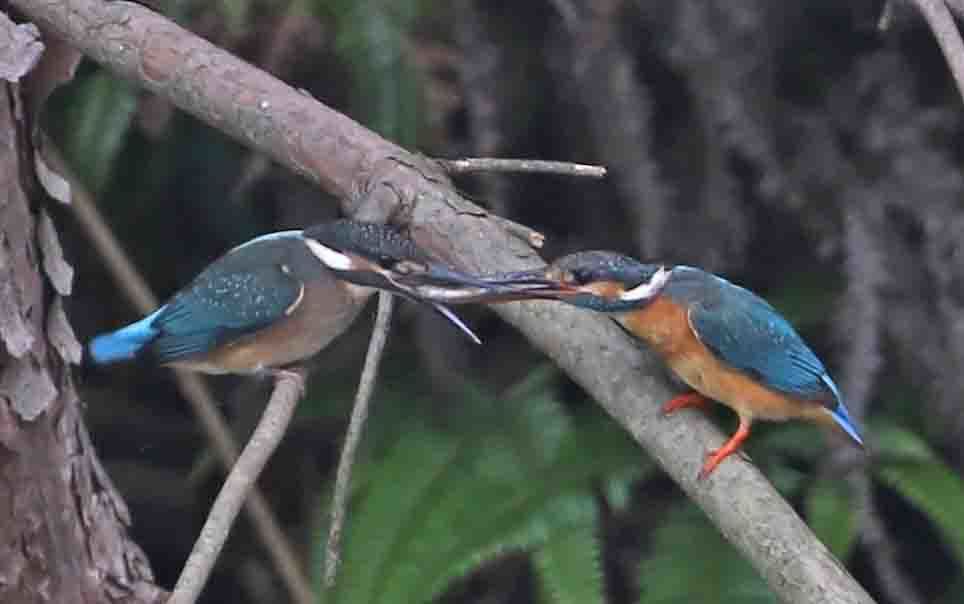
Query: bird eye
580	275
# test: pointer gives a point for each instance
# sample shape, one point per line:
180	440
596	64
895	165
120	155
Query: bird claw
714	458
690	399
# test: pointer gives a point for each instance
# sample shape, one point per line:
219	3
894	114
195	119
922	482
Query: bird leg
714	457
690	399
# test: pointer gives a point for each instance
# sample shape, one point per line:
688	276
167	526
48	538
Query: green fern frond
552	497
674	572
438	505
98	119
570	569
910	467
953	594
501	505
399	490
831	515
372	37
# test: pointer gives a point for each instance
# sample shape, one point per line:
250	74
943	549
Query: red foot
716	456
690	399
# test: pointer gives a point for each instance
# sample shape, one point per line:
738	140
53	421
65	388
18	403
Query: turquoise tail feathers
840	415
123	344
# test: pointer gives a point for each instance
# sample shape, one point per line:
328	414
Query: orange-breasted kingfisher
723	341
281	298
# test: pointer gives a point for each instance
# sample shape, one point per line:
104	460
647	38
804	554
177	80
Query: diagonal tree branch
941	22
288	388
375	179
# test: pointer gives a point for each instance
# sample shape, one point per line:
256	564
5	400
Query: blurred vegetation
791	146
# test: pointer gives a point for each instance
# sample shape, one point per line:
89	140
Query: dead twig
289	386
359	414
467	165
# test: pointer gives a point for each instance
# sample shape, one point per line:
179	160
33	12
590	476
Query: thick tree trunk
63	536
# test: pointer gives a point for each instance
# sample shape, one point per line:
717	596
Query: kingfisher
725	342
282	297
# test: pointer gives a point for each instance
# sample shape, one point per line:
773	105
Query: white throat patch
329	257
648	289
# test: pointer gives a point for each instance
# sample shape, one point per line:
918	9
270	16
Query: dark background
794	147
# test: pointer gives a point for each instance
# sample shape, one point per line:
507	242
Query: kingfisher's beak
545	283
440	283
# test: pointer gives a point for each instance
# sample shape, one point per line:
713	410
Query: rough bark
375	179
63	527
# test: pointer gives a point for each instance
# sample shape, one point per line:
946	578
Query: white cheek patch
647	289
329	257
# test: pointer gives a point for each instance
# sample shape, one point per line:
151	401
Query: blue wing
221	305
747	333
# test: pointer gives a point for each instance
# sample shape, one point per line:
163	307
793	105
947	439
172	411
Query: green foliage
96	122
909	466
804	297
570	569
372	39
831	515
437	504
236	14
690	562
955	593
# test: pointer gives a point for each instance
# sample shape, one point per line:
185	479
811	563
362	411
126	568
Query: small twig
531	236
192	388
957	7
941	22
289	386
886	16
468	165
339	502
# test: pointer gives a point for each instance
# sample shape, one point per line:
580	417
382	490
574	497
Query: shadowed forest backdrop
794	147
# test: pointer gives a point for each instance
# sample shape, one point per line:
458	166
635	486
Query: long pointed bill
533	284
454	318
442	284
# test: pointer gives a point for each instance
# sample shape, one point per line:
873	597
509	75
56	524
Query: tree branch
359	414
957	7
372	179
941	22
289	386
468	165
189	384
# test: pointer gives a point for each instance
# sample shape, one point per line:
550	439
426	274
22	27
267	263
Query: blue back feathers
220	306
245	290
747	333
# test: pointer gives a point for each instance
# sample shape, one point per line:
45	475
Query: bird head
382	257
597	280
